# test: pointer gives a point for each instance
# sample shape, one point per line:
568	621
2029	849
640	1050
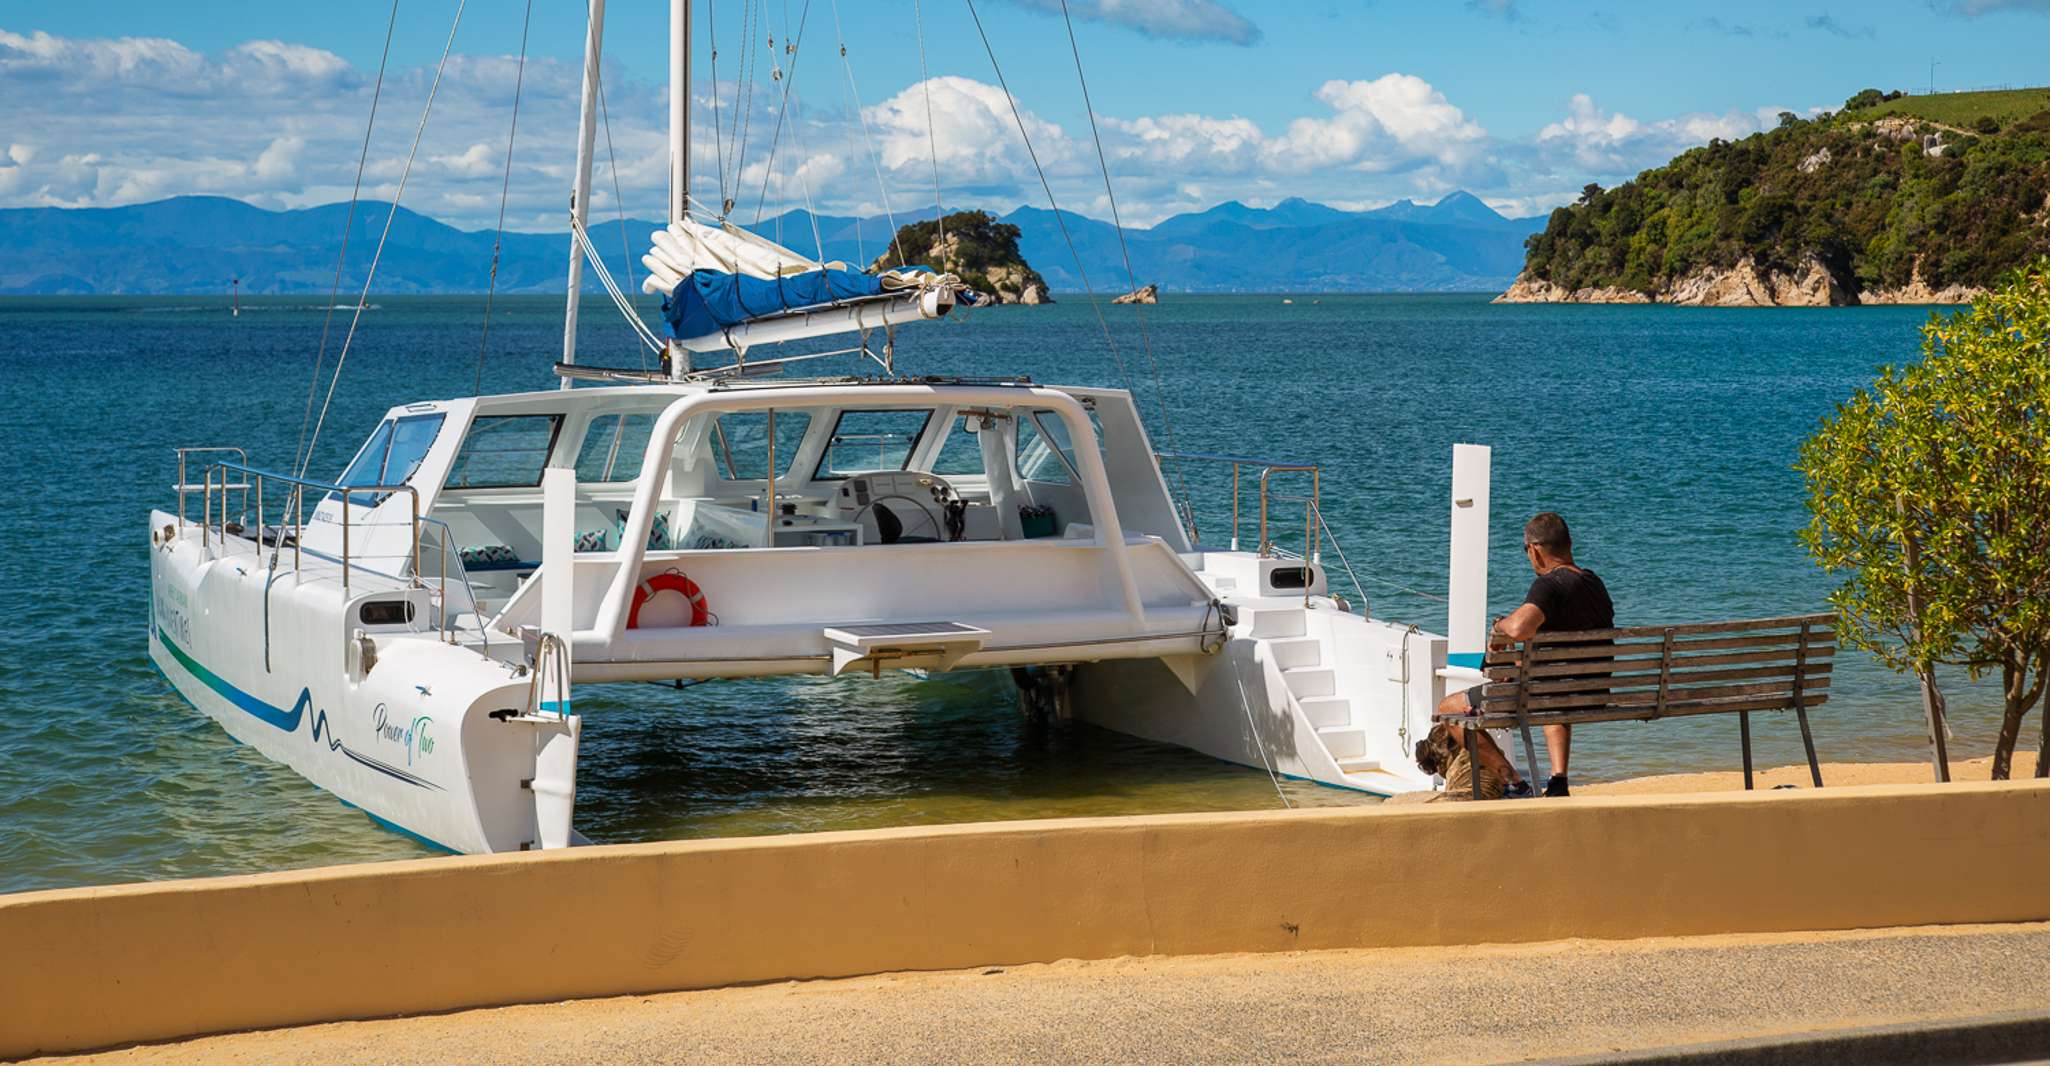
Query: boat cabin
785	504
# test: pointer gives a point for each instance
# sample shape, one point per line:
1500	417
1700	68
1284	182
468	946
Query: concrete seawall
96	967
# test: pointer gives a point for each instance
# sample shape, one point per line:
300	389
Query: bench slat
1651	665
1676	682
1650	698
1507	656
1500	720
1814	622
1613	649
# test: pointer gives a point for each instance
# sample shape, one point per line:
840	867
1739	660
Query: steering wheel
940	512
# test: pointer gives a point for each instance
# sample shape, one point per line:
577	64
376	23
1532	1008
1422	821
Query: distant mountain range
195	244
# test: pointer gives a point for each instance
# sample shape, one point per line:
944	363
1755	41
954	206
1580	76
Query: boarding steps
1306	664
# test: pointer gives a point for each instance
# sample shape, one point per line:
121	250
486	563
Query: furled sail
724	287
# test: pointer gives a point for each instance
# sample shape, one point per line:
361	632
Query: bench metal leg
1529	753
1744	731
1473	760
1808	742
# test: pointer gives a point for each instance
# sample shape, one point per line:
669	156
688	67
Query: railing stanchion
1234	506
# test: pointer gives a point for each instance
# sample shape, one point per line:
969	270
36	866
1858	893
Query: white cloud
108	121
1608	142
972	129
279	162
1195	20
1384	124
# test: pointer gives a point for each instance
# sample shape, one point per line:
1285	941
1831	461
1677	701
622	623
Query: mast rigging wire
868	140
1132	279
504	194
1080	270
744	93
369	278
299	457
718	133
619	300
626	306
931	135
795	45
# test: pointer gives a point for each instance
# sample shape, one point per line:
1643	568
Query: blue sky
1357	104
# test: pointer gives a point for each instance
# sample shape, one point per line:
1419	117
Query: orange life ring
670	581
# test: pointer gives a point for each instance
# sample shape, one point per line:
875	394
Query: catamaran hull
430	739
1306	692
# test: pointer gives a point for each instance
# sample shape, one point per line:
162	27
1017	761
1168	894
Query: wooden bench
1644	673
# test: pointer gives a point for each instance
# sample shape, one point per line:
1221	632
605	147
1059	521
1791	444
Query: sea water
1666	436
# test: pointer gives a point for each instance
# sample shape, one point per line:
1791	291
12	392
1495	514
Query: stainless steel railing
257	478
1267	468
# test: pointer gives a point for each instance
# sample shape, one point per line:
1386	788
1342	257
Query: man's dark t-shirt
1571	599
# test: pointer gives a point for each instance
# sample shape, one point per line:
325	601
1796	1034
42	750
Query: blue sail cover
709	301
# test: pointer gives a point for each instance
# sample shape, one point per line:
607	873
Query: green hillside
1870	195
1960	110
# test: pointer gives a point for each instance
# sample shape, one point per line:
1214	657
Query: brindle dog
1443	752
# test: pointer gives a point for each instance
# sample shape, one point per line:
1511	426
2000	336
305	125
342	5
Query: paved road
1411	1005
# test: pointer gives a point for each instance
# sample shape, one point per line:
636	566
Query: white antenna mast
580	199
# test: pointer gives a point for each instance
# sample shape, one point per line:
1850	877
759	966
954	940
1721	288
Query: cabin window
1045	454
961	452
740	440
393	454
868	441
505	452
614	447
368	469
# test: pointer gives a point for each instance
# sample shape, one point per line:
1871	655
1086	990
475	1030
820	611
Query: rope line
783	108
619	300
1160	395
504	194
1080	270
744	94
619	208
718	126
868	139
299	456
931	134
377	256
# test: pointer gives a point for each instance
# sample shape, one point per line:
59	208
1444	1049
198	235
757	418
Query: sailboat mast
580	199
679	109
677	358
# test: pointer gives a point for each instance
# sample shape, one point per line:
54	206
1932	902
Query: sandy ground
1475	1004
1833	773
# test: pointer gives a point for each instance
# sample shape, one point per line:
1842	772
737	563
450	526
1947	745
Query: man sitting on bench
1564	598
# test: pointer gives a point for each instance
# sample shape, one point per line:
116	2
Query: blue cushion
658	532
492	557
593	540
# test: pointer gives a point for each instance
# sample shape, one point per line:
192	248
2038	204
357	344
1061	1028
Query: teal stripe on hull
258	709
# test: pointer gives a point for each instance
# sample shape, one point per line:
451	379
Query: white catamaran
410	639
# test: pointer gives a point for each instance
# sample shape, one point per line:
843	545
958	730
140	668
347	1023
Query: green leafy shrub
1952	452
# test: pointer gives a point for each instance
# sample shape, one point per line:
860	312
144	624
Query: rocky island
978	248
1892	200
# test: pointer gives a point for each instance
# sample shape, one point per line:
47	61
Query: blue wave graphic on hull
288	721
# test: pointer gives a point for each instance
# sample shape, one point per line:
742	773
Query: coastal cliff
976	246
1893	200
